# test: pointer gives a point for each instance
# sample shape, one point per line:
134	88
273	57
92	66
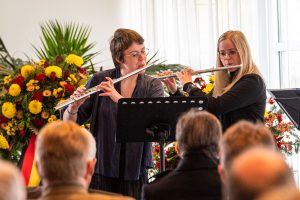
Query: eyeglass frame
230	52
137	54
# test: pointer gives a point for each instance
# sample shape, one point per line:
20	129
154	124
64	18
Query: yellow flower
9	110
53	117
35	107
266	114
26	70
72	78
212	78
3	142
208	88
45	115
57	70
74	59
56	91
41	62
14	90
50	120
7	79
30	88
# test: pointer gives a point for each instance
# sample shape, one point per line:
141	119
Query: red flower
82	70
3	119
37	96
19	80
58	60
38	123
46	64
66	74
271	101
22	133
69	88
52	76
40	78
279	118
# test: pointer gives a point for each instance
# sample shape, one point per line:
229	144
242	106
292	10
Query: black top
102	112
196	177
245	100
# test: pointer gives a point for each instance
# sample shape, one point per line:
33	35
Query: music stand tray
289	102
153	119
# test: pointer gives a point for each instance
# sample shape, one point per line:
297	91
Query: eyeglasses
229	52
137	54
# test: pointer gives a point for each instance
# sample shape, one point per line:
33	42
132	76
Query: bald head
11	182
257	170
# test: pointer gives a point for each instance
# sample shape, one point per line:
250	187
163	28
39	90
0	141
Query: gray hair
11	182
198	130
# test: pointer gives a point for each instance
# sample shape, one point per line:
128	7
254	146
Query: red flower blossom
37	96
3	119
58	60
46	64
66	74
38	123
82	70
19	80
52	76
271	101
69	88
22	133
40	78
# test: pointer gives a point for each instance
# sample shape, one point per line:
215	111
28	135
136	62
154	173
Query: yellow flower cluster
52	118
35	107
56	91
74	59
14	90
3	142
10	130
26	70
72	78
208	88
32	85
7	79
57	70
9	110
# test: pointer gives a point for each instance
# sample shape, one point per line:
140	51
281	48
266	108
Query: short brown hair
198	130
121	41
62	149
241	136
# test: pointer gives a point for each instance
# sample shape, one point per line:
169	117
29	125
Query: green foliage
7	63
63	39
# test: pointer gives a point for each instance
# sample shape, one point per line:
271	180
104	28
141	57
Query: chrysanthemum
35	107
74	59
208	88
9	110
57	70
7	79
3	142
26	70
14	90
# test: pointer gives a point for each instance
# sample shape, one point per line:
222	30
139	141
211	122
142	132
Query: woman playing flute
239	93
121	168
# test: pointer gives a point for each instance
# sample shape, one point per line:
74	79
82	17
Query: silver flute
93	90
201	71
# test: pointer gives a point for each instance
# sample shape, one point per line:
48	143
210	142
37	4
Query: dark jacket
196	177
102	112
245	100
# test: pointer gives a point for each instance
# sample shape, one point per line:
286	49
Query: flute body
93	90
201	71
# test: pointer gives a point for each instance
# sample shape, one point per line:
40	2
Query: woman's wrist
72	111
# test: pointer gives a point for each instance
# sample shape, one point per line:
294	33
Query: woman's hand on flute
185	75
73	108
170	83
109	90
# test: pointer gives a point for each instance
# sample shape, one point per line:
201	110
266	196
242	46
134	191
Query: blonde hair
223	83
198	130
62	150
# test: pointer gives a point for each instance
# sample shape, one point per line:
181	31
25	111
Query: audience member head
238	138
255	171
122	40
198	130
11	182
65	152
279	193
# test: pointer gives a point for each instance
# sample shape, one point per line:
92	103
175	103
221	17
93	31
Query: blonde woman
238	93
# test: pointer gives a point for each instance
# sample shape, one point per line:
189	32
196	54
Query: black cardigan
245	100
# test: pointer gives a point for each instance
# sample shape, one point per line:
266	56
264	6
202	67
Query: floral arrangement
284	131
28	96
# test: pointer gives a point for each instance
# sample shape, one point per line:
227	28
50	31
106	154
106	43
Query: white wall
20	19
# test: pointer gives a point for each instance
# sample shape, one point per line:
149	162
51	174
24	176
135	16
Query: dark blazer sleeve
245	92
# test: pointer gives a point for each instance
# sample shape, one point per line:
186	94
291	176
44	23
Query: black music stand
289	102
153	119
